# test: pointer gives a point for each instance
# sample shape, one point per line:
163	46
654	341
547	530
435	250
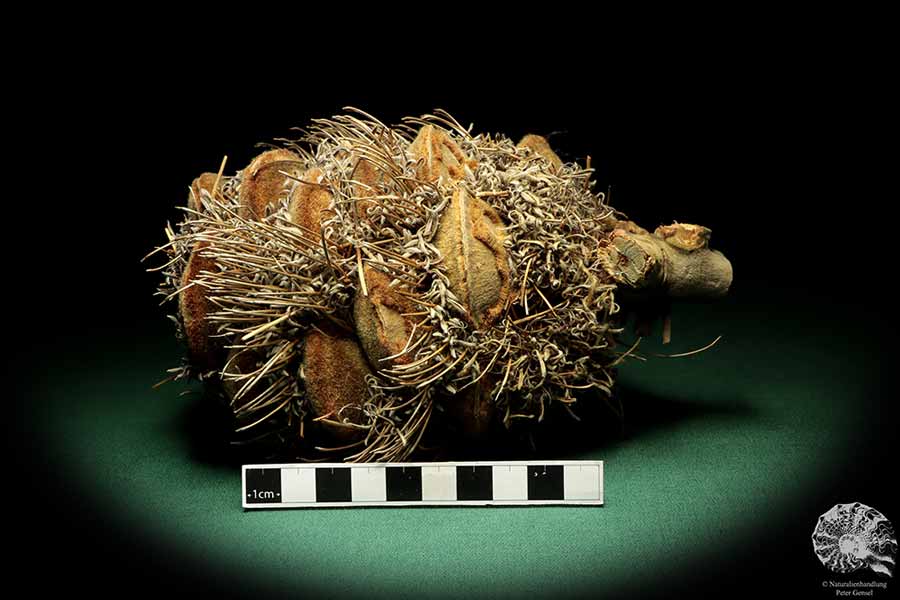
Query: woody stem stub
674	261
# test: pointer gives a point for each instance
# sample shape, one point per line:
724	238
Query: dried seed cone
382	329
194	307
262	183
206	182
506	268
470	240
335	373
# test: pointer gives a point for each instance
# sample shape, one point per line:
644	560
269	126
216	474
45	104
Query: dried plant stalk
675	261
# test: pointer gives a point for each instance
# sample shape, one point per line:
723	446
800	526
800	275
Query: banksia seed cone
341	292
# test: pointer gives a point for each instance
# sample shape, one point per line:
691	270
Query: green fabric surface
753	423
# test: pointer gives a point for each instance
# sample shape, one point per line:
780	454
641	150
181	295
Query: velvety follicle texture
262	182
540	146
368	182
382	328
205	182
194	307
470	239
335	371
440	156
310	202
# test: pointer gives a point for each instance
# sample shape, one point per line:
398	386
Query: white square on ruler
298	484
510	482
438	483
581	482
367	484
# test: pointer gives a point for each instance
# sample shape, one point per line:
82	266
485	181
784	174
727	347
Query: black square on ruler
333	484
403	483
545	482
474	483
263	486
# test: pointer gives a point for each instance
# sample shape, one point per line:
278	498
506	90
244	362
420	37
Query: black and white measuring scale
512	483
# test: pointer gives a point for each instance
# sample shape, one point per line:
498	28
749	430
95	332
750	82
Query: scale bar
509	483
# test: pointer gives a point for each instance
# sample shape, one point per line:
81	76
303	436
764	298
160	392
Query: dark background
781	151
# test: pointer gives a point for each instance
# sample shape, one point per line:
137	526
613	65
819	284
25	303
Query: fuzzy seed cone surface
352	291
